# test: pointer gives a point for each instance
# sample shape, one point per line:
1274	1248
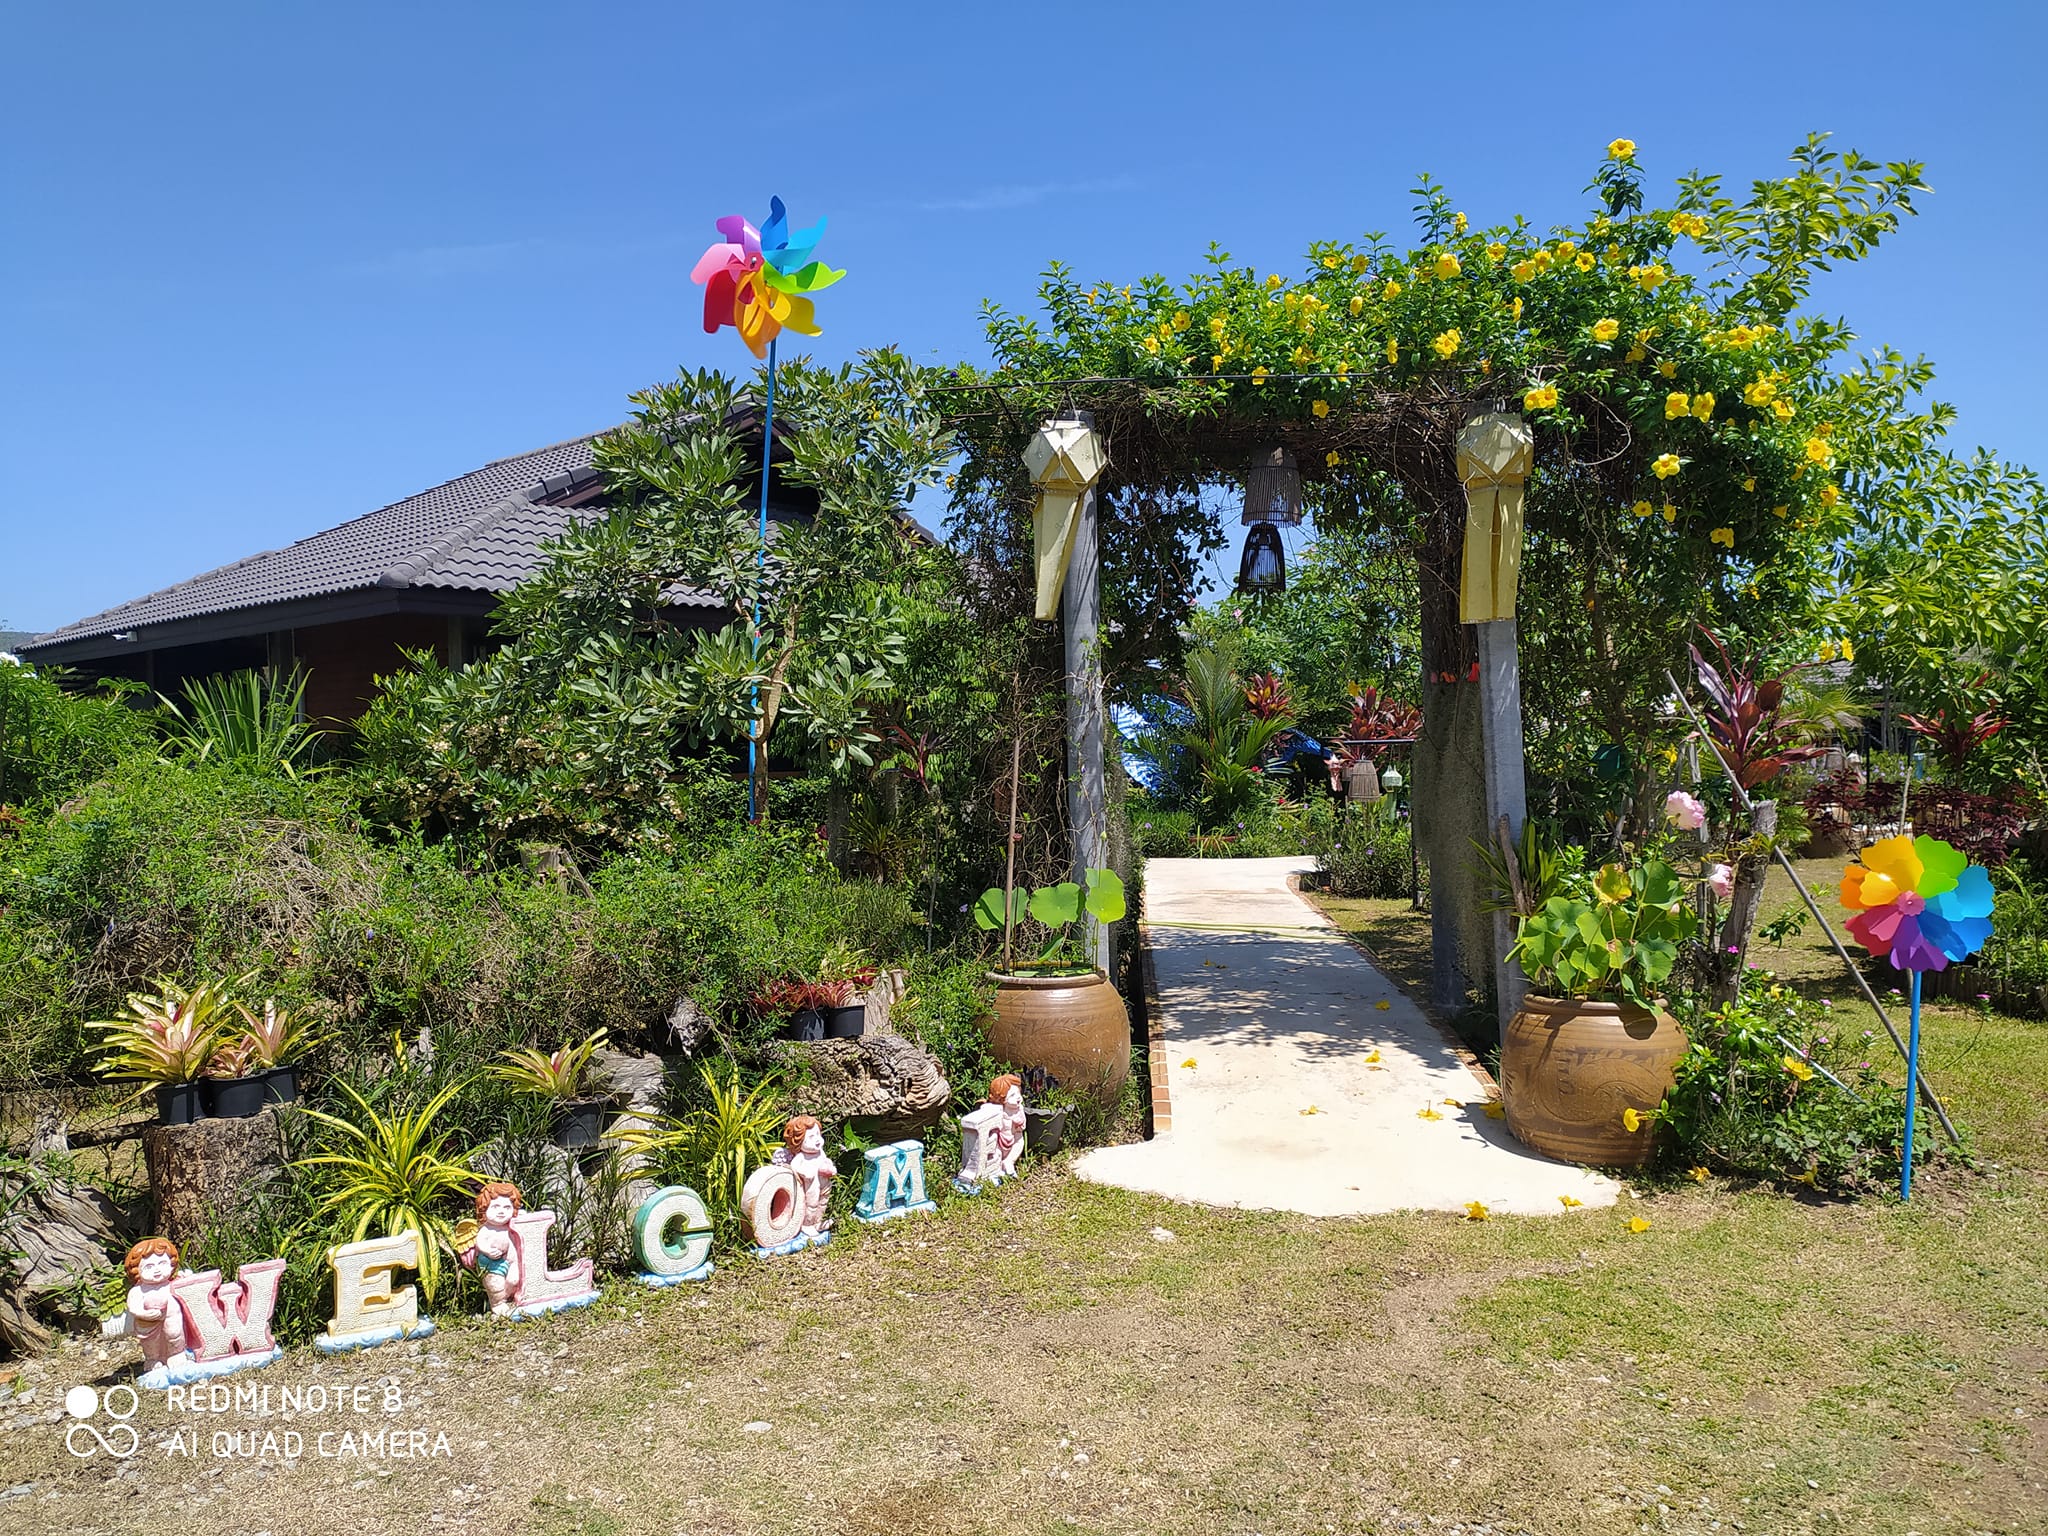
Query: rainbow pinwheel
758	281
1919	901
1923	904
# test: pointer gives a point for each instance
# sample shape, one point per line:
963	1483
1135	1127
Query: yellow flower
1457	223
1475	1211
1631	1120
1829	495
1333	458
1180	319
1642	509
1311	1110
1585	261
1637	1225
1798	1068
1357	304
1665	466
1620	149
1447	266
1303	357
1782	409
1675	405
1697	1174
1523	271
1570	1202
1259	374
1818	451
1606	330
1703	405
1495	1110
1688	224
1216	324
1152	345
1829	650
1670	512
1543	259
1722	536
1216	363
1372	1056
1848	651
1446	345
1651	278
1668	368
1428	1112
1515	309
1359	264
1635	353
1495	251
1391	291
1274	280
1749	483
1542	398
1781	511
1382	1005
1393	350
1332	263
1759	392
1321	407
1342	369
1189	1064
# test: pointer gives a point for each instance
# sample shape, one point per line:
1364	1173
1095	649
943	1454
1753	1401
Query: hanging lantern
1272	490
1264	566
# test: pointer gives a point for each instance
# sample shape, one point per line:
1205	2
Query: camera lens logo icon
84	1439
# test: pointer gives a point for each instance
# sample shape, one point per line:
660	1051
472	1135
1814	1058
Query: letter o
662	1210
773	1205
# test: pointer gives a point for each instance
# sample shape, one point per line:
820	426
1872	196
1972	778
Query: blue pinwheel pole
1912	1077
761	575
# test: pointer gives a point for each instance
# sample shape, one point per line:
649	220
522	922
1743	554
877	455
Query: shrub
946	1009
1363	850
52	742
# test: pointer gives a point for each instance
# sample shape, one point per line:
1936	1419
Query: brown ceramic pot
1569	1068
1073	1026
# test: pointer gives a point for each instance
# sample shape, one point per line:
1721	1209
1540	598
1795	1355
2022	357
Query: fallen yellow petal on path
1428	1112
1495	1110
1189	1064
1568	1201
1476	1211
1311	1110
1697	1175
1383	1005
1373	1057
1637	1224
1455	1103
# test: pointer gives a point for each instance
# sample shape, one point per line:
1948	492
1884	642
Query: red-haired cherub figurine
492	1252
1007	1094
803	1141
154	1314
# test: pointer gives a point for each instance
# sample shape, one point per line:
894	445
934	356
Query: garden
729	1004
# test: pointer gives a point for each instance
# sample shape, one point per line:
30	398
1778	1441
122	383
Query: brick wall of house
342	660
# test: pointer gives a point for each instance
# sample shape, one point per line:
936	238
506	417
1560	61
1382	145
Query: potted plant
843	979
1056	1010
165	1040
1590	1054
796	1004
578	1118
1045	1112
254	1065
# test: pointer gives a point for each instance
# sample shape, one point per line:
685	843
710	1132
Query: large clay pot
1073	1026
1570	1068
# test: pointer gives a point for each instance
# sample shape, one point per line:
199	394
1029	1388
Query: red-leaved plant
1377	718
1954	740
1747	719
1266	696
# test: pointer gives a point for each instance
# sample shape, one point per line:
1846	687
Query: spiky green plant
168	1036
723	1141
554	1075
245	718
394	1174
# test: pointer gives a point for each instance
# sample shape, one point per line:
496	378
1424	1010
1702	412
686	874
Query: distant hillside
10	638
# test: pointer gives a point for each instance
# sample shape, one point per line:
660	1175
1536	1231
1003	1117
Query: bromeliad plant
1619	947
1056	908
169	1036
717	1145
555	1075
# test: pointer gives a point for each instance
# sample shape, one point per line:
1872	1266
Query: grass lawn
1049	1360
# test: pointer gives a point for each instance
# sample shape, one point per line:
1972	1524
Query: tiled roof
479	532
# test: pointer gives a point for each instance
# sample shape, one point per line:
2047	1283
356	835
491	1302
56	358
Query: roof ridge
406	572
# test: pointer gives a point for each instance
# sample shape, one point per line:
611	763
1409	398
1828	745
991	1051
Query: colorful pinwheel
758	281
1923	904
1919	901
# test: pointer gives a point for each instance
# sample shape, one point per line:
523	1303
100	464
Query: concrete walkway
1268	1014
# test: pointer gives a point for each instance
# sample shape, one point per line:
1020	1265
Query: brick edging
1155	1037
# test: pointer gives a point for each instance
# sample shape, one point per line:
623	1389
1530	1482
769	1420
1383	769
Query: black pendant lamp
1272	500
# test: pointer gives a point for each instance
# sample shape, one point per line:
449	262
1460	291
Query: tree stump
53	1242
885	1087
199	1171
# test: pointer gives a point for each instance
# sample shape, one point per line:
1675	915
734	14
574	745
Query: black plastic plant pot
1045	1129
280	1084
237	1098
807	1025
579	1123
179	1103
846	1023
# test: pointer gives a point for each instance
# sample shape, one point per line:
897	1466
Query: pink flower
1721	881
1685	810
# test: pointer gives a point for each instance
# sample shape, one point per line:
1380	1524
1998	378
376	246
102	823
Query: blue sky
270	267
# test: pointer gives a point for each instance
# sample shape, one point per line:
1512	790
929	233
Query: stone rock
199	1170
885	1087
687	1026
635	1082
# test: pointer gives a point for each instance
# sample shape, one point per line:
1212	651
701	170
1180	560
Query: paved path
1268	1013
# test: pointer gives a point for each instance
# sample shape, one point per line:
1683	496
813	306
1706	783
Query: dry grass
1040	1362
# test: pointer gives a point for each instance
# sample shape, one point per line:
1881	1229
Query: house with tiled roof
421	574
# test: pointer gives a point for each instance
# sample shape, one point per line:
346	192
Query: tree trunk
200	1170
1731	953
